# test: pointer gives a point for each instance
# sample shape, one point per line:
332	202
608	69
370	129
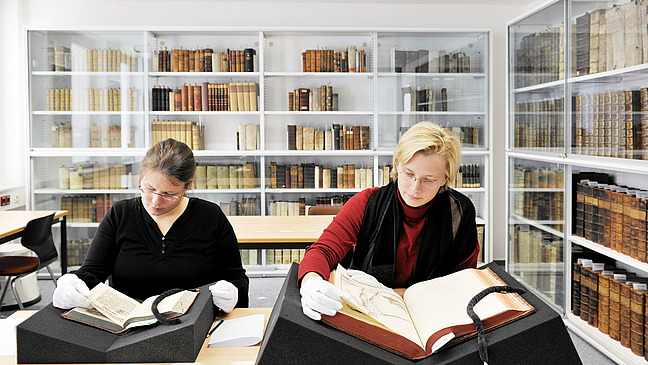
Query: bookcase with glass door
278	120
576	162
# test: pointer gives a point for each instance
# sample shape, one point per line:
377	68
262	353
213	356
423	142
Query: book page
383	305
441	303
239	332
112	304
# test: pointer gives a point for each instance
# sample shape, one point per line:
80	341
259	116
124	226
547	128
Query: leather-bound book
637	307
292	136
303	99
249	54
222	172
319	140
300	176
294	176
281	176
308	138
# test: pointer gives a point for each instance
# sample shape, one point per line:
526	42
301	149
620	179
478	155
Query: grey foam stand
46	337
291	337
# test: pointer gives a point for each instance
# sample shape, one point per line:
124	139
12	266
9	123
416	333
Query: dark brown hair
172	158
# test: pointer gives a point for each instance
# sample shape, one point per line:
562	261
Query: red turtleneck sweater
340	236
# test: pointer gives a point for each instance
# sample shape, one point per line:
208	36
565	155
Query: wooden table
12	224
254	232
207	355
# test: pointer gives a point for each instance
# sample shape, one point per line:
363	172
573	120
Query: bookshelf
577	150
100	98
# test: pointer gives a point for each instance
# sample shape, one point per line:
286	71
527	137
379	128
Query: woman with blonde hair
415	228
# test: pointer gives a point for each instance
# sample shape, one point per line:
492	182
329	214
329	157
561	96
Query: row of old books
188	132
312	176
246	206
77	250
204	60
468	176
613	216
87	208
276	256
301	207
92	60
109	136
101	136
431	61
61	136
468	136
539	57
316	99
611	38
539	124
94	176
538	177
613	124
248	137
338	137
424	99
613	300
234	176
90	100
328	60
233	96
537	259
539	205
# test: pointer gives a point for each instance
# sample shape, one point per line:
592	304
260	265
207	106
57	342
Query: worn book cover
117	313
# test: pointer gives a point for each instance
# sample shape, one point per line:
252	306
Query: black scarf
440	250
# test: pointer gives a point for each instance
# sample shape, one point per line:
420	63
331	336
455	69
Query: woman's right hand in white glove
318	297
70	292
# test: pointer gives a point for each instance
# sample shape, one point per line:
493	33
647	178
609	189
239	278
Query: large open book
431	315
116	312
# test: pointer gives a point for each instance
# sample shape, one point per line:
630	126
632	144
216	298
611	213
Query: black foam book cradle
46	337
291	337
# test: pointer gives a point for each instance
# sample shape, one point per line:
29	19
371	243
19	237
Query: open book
429	316
116	312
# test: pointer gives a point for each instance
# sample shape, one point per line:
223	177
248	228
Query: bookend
291	336
46	337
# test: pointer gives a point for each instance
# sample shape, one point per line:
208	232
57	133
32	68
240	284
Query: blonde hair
172	158
429	139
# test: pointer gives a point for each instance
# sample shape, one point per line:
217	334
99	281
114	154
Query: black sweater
200	248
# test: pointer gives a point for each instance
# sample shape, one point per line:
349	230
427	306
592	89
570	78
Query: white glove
224	295
70	292
318	297
365	278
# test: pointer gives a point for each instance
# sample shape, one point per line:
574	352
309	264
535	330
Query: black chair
37	237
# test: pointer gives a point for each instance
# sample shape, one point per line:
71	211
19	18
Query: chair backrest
324	209
37	237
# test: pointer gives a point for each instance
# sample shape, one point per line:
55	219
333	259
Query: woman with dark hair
161	240
415	228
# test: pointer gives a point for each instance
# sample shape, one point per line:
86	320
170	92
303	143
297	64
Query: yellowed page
440	303
383	305
116	306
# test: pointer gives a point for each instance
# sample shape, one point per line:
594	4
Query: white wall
203	13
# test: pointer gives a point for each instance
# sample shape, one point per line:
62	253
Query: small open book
431	315
116	312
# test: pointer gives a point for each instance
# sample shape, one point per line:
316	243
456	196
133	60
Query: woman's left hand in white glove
224	295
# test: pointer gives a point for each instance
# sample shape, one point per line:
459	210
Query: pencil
214	329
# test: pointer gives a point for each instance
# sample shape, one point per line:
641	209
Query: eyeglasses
410	178
165	196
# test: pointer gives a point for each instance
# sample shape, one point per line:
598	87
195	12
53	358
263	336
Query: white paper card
239	332
8	335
